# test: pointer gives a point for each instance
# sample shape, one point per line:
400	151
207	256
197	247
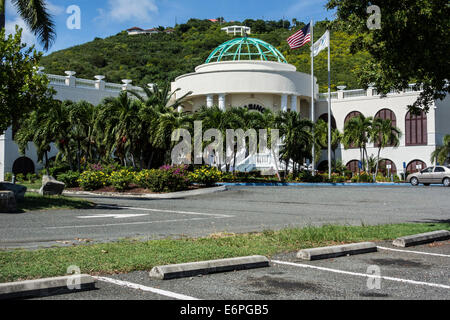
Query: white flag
323	43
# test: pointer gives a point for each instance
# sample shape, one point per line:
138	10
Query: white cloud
27	36
55	9
129	10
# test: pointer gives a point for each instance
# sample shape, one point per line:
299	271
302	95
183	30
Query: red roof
135	28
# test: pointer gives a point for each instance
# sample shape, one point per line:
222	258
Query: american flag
300	38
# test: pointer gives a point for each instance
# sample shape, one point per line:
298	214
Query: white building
251	73
248	72
237	30
68	88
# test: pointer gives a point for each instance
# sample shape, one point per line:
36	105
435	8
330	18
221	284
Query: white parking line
443	286
146	289
416	252
169	211
124	224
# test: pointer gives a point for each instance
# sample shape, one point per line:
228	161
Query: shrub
306	176
8	176
207	176
93	180
165	179
121	180
20	177
70	178
365	177
32	177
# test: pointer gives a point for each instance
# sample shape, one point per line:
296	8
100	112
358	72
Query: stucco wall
369	107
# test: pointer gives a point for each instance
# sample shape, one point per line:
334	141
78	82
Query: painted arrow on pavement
114	216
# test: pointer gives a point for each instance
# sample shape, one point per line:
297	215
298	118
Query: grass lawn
129	255
34	201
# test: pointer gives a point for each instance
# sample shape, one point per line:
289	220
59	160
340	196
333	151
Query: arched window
415	166
23	165
386	114
352	115
416	131
353	166
387	166
324	117
323	166
349	117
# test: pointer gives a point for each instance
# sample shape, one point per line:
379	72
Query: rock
19	191
8	202
51	186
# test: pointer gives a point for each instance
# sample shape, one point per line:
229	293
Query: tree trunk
2	14
79	156
47	169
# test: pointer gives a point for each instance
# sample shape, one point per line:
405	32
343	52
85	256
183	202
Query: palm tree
43	127
80	117
356	134
297	137
384	134
36	16
321	139
442	153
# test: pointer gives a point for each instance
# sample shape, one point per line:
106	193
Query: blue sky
102	18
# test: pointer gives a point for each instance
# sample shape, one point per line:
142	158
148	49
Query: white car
431	175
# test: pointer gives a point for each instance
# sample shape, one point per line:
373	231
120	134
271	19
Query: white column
284	103
222	105
126	84
70	78
99	82
294	106
209	101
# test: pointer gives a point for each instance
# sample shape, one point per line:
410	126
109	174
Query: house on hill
136	30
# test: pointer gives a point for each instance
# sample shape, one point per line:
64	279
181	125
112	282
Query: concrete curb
421	238
173	195
337	251
294	184
46	287
208	267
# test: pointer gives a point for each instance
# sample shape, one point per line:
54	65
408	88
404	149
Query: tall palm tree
356	134
321	139
297	137
81	126
383	135
44	126
36	16
442	153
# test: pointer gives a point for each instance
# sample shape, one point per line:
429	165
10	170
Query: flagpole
329	104
312	98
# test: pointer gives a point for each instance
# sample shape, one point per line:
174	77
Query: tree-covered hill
162	57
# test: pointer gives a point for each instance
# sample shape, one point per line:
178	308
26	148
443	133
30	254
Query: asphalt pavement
240	209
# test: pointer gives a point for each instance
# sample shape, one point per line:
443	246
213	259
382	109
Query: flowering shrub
70	178
93	180
207	176
165	179
121	180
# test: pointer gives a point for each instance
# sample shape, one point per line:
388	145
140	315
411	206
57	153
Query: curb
293	184
421	238
146	196
207	267
337	251
46	287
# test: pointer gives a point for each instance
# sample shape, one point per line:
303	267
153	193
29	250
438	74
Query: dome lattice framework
246	49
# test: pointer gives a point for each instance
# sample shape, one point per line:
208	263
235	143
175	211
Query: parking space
420	273
238	210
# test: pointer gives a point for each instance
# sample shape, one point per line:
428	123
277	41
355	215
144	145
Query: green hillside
162	57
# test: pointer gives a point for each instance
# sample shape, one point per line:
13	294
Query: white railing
71	81
355	93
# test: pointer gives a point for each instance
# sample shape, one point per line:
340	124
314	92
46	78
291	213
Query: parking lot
421	273
238	210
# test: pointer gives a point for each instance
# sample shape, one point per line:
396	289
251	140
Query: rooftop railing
371	92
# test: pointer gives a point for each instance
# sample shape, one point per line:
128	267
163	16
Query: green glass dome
246	49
